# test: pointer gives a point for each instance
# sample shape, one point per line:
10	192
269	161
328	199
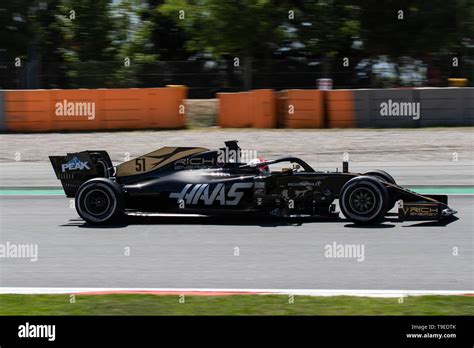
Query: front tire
100	201
383	175
364	200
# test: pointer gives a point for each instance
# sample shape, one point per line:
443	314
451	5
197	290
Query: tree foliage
227	27
68	42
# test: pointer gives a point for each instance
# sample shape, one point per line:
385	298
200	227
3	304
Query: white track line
306	292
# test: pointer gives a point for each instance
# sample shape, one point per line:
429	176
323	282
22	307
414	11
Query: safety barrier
155	108
302	108
257	109
392	108
340	109
362	108
445	106
92	109
2	112
385	108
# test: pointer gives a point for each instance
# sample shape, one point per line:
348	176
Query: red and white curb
225	292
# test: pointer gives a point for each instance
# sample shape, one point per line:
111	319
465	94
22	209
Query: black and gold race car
196	180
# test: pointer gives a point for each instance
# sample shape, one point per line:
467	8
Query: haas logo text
195	193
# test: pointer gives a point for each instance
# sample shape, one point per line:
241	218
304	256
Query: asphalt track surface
200	253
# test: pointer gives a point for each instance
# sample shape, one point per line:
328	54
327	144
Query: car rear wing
76	168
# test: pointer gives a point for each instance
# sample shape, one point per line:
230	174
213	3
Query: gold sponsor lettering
420	211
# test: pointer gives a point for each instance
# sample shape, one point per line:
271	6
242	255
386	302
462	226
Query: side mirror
345	167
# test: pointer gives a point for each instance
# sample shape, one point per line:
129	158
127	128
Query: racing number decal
140	164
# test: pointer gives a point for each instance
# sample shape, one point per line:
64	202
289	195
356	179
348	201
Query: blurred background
226	45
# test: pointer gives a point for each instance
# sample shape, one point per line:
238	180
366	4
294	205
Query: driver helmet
263	170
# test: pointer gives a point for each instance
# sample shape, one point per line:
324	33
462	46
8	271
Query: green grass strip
468	190
122	304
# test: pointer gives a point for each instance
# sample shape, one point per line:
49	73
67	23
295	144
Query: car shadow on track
247	221
223	221
441	223
235	221
377	226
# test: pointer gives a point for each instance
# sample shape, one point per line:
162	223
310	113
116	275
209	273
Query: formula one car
196	180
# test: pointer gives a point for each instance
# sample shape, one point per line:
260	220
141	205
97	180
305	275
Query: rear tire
100	201
364	200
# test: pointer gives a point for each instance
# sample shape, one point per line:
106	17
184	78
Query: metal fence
206	77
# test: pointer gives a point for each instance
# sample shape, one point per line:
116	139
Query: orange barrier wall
25	110
340	109
256	109
264	106
94	109
301	108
